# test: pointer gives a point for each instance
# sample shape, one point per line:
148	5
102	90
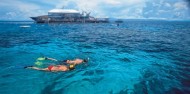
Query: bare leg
36	68
51	59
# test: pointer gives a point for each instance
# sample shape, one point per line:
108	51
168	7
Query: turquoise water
136	57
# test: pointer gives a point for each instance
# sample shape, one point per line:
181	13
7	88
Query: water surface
136	57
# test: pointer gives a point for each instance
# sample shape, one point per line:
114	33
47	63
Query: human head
64	60
71	67
85	60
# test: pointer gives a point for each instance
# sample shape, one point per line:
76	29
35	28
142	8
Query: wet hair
64	61
85	60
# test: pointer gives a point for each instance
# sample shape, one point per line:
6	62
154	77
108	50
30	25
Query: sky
122	9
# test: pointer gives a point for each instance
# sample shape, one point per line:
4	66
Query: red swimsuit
50	67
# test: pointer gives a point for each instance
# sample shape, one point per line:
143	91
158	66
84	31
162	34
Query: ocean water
136	57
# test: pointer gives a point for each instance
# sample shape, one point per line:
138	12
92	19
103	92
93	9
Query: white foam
25	26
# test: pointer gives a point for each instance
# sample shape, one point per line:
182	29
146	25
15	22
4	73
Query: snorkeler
61	67
53	68
75	61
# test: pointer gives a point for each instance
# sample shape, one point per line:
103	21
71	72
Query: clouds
19	10
188	2
135	9
180	6
110	8
166	9
18	5
167	4
141	9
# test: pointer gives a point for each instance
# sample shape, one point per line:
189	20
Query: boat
68	16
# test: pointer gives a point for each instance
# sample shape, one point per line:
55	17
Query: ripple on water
138	57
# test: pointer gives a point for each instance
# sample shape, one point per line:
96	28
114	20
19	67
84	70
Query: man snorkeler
75	61
65	65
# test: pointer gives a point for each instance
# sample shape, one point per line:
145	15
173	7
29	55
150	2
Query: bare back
59	68
76	61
